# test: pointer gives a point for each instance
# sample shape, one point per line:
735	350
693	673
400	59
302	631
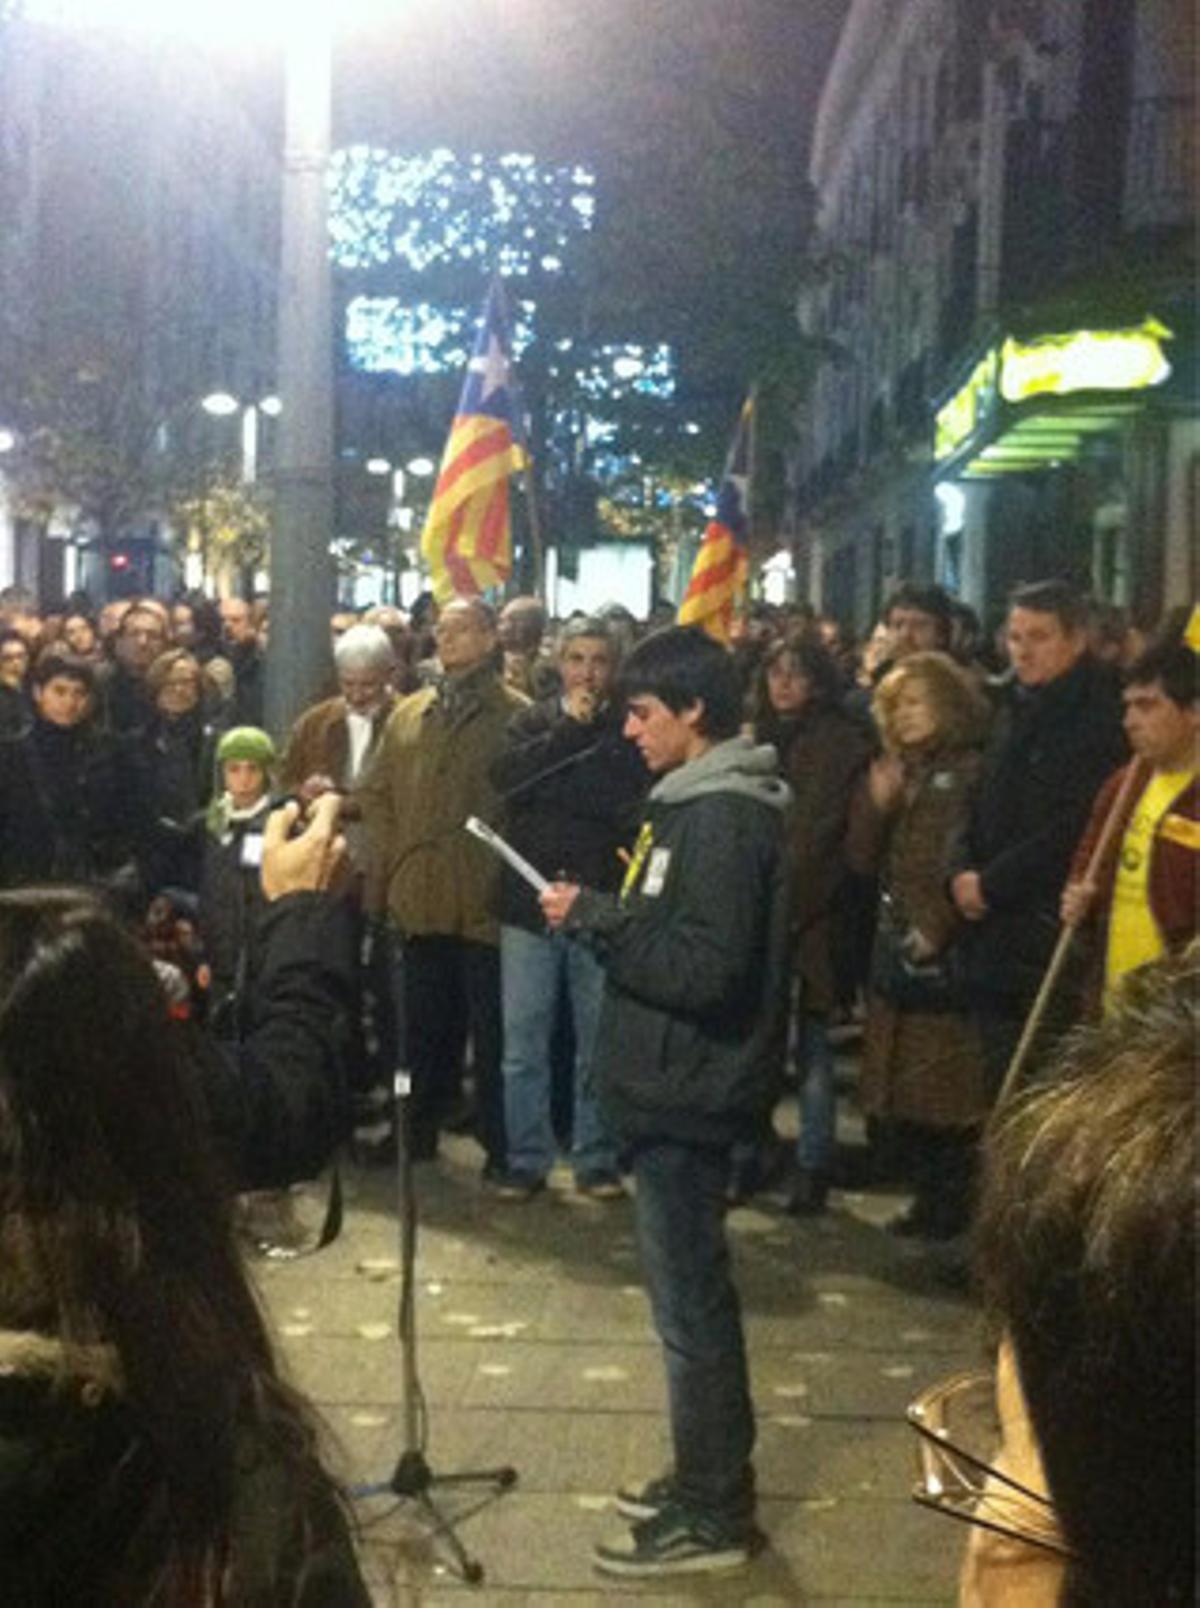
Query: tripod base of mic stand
413	1481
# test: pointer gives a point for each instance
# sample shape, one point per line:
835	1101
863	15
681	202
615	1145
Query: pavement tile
535	1349
541	1546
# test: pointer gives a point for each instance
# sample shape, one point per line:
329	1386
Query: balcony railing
1067	200
1160	169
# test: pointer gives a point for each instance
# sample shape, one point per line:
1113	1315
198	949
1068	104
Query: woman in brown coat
823	751
922	1074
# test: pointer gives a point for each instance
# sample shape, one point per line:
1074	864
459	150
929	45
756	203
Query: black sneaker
645	1501
515	1185
673	1542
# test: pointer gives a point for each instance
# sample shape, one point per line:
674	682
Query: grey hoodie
738	765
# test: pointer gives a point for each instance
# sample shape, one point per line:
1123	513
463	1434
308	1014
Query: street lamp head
422	468
377	466
271	406
219	404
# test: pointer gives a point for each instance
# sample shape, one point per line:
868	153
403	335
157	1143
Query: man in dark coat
695	951
245	654
1056	736
572	787
15	712
69	806
429	773
128	705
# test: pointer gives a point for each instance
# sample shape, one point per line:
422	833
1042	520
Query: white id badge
656	872
252	847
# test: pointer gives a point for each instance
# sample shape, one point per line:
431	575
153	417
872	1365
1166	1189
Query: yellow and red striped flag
718	582
467	540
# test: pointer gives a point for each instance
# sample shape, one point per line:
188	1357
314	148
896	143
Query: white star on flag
493	365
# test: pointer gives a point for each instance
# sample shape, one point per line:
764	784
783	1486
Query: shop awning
1032	404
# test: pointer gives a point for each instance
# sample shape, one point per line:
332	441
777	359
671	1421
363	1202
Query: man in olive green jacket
429	773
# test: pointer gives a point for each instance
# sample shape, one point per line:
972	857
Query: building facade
20	210
144	179
1004	292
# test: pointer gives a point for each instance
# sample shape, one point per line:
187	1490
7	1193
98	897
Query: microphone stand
413	1480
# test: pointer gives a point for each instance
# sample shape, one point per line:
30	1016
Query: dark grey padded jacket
695	950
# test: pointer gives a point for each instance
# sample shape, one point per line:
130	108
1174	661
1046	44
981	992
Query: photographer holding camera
148	1448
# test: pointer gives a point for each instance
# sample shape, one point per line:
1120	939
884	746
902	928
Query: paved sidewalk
536	1349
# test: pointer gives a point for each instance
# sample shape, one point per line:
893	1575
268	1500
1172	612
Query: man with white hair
334	739
330	746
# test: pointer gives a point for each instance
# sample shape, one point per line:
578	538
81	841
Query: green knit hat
247	742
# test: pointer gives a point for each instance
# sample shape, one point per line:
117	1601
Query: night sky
607	82
497	73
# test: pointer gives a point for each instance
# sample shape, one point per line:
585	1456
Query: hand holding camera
309	861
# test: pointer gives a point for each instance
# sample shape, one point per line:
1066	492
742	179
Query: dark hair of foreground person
149	1451
1087	1256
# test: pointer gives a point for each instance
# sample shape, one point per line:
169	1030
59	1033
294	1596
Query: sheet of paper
487	834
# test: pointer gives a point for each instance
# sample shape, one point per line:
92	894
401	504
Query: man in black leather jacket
1056	737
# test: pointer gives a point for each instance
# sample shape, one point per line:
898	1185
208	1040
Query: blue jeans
533	967
818	1097
680	1213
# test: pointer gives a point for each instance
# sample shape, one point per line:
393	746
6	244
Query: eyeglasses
958	1437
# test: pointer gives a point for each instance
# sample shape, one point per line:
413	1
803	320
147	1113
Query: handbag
933	985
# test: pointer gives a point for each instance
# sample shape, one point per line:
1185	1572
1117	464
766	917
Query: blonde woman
922	1077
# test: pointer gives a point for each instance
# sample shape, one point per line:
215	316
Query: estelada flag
718	582
467	541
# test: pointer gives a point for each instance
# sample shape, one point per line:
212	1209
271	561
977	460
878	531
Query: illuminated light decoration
621	371
437	208
1085	360
598	432
384	335
962	414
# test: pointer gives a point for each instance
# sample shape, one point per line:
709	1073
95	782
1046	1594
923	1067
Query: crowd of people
751	852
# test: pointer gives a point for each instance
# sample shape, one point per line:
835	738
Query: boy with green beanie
231	897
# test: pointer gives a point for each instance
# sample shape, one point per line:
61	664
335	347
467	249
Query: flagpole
535	531
740	603
751	464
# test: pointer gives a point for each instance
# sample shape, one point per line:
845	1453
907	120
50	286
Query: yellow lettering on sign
959	417
1085	360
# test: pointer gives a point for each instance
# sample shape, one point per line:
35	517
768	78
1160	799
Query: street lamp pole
302	592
